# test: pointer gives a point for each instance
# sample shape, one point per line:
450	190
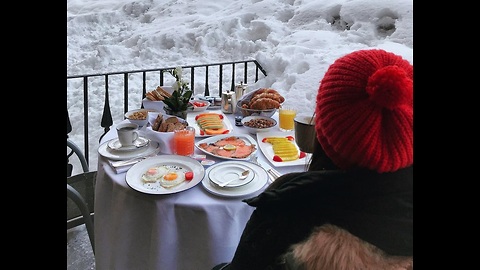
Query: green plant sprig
181	94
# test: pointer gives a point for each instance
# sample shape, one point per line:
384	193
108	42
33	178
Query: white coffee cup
127	133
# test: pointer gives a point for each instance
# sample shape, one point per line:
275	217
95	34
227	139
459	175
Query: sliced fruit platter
280	148
209	123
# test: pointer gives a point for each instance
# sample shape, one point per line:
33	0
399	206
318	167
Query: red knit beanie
364	111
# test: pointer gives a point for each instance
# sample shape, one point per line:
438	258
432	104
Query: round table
192	229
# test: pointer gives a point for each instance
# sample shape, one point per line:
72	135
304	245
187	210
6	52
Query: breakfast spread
158	94
168	125
166	176
284	149
211	124
231	147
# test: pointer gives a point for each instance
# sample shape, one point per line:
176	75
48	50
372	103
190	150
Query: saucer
221	174
138	143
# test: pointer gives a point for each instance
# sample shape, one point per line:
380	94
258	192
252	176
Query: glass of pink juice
184	141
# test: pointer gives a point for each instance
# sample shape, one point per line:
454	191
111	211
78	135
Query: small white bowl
260	119
195	105
140	122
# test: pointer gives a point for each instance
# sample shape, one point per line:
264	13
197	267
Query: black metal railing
225	76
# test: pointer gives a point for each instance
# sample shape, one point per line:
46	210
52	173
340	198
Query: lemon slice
229	147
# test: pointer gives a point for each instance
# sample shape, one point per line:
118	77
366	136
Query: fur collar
333	248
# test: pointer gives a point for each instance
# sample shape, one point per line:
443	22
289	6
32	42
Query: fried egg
172	178
153	174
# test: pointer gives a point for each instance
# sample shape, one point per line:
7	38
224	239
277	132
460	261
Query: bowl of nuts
139	117
258	123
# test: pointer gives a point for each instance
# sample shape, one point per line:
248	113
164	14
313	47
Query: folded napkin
121	169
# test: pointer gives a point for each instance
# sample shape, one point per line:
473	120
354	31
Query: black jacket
377	208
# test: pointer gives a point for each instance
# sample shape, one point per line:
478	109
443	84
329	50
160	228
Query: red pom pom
390	87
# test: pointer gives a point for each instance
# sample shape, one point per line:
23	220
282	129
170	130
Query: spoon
241	176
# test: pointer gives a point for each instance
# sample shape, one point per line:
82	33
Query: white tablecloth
192	229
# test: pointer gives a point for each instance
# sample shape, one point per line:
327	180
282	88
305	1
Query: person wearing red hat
353	208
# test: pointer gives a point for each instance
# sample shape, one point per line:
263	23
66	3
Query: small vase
181	114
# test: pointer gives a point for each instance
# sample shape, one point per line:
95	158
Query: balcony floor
79	251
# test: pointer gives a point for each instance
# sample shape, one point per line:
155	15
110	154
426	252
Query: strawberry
277	158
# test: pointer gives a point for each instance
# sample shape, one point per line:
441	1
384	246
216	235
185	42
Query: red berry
188	175
277	158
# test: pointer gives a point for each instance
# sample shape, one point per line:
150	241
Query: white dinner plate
192	122
245	137
258	182
105	151
138	143
226	172
267	148
177	162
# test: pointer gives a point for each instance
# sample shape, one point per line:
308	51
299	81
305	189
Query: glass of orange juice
184	141
285	117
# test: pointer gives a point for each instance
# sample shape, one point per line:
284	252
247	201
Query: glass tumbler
285	117
184	141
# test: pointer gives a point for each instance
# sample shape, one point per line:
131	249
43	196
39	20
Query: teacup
127	133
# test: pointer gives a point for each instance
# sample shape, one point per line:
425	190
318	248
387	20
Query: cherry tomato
188	176
264	140
202	132
290	138
302	154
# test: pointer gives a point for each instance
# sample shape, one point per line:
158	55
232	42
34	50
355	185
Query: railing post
107	120
125	91
85	115
220	80
232	88
207	90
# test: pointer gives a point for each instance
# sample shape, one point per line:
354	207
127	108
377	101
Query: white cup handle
135	136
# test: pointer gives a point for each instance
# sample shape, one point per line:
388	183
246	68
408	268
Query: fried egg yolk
170	176
171	179
154	174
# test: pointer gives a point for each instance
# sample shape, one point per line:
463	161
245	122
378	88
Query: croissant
264	103
276	96
266	90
